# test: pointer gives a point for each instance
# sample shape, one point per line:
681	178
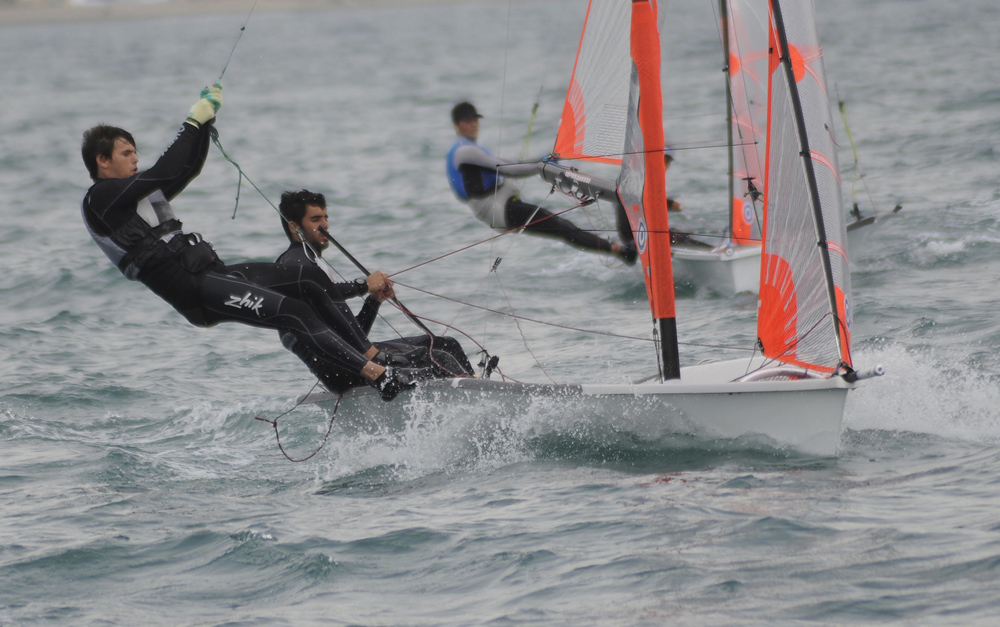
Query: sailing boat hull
726	270
729	270
804	415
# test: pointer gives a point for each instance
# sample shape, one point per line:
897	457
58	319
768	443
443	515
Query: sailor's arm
470	154
377	284
183	160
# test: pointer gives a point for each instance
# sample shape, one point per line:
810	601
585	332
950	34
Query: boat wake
938	396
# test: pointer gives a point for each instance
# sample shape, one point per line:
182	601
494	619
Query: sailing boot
395	380
384	358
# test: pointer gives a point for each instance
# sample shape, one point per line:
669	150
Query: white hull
726	270
733	269
804	414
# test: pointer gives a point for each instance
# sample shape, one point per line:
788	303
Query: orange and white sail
592	126
804	314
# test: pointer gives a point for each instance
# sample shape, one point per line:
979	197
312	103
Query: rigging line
525	318
503	98
858	174
495	271
238	38
277	435
409	314
394	300
467	336
243	175
517	323
563	326
531	123
483	241
503	92
616	156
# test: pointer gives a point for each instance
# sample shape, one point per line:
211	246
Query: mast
724	13
807	164
642	185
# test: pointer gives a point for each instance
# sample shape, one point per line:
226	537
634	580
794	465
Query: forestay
804	313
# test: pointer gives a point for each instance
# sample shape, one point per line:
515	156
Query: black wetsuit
449	358
543	222
133	223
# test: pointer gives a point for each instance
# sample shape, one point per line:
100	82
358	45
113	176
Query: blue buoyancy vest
468	180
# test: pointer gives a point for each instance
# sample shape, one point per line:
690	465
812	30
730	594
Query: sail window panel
607	140
599	88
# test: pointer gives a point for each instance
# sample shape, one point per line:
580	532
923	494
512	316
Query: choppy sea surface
136	486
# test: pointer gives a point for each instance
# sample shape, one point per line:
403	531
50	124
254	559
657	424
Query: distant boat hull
726	270
733	269
804	415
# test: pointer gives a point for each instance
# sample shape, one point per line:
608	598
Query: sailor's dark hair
293	207
100	140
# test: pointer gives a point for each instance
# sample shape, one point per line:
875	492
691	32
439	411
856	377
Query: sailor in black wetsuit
304	220
129	216
477	178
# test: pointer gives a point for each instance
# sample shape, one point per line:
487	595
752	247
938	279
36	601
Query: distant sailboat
792	392
589	130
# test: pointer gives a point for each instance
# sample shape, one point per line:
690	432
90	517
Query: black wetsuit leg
226	297
518	213
449	359
624	228
305	283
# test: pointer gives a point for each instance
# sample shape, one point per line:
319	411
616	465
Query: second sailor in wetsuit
304	220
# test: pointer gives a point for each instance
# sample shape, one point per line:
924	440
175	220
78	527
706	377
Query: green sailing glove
206	107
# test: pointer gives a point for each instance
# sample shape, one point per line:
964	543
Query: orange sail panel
592	125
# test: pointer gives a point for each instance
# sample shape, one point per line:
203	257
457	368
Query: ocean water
137	487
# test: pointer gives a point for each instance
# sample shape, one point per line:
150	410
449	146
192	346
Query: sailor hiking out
478	179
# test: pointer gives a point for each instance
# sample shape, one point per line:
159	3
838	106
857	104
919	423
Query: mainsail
804	314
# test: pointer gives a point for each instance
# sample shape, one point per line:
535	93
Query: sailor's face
468	128
124	161
314	218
